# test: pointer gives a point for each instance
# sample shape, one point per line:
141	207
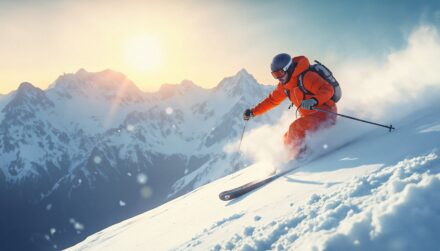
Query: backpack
326	74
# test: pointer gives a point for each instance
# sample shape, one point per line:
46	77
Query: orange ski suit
309	120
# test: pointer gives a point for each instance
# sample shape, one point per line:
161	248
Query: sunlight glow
143	53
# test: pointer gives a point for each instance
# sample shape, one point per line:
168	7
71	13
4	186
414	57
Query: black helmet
281	63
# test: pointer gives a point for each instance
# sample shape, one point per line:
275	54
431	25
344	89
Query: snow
370	190
4	100
379	192
92	110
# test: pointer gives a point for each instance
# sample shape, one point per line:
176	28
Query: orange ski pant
294	137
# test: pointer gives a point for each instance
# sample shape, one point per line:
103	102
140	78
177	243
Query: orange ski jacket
315	84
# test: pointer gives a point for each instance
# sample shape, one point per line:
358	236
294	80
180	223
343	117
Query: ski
253	185
248	187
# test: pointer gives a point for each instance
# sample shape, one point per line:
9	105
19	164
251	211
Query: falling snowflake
49	207
146	192
169	111
122	203
325	146
76	225
142	178
53	231
130	127
97	160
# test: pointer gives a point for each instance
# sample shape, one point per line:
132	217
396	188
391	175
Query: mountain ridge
81	141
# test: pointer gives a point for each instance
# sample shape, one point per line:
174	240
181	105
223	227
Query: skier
287	71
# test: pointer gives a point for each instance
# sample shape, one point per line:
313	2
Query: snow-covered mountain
93	149
378	192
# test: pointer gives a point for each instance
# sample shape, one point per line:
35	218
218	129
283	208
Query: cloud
405	81
265	144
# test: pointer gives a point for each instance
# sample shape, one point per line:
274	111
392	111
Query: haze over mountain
93	149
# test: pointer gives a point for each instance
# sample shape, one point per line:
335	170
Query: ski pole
241	139
390	127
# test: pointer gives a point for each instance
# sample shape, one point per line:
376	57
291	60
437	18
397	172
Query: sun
143	53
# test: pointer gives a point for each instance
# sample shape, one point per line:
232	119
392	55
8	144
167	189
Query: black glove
247	114
308	103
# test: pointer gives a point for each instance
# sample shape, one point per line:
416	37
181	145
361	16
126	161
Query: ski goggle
278	74
281	72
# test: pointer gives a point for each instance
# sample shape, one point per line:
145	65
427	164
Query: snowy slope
4	100
380	192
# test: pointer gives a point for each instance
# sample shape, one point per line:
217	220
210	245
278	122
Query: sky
154	42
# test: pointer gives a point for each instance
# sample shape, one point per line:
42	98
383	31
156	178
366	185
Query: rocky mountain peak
171	90
107	84
236	85
28	97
